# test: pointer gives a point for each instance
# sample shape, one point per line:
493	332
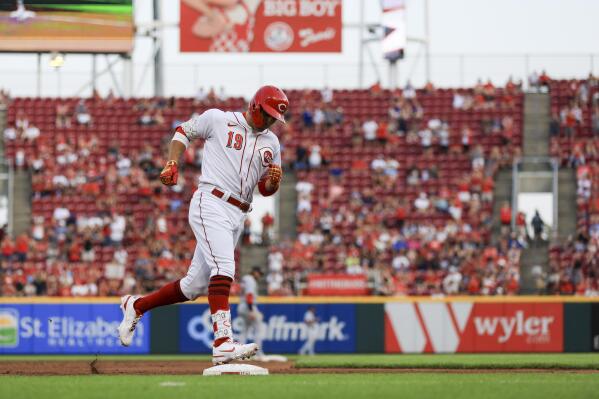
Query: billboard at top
271	26
78	26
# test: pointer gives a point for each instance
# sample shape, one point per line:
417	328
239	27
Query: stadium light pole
157	41
56	62
94	73
362	44
427	43
39	74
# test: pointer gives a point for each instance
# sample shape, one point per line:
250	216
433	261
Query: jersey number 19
238	141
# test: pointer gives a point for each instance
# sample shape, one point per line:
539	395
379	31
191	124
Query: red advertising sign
261	26
449	327
514	327
337	284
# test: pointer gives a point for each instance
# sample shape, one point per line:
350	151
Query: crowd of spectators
409	223
485	96
432	239
574	261
102	222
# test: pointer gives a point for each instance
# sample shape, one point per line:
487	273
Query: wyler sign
261	26
449	327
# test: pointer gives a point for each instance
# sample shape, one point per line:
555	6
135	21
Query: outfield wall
346	325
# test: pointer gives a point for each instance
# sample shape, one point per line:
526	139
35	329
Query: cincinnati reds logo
278	36
266	155
282	107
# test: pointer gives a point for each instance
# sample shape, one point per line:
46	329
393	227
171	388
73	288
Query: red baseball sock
218	298
167	295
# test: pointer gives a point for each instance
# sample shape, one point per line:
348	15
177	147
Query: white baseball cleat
130	319
231	350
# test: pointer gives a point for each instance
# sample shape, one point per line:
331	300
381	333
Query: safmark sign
449	327
283	329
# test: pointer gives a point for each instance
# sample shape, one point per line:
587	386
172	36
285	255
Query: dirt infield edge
189	367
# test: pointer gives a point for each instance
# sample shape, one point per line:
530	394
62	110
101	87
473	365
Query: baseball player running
239	153
248	310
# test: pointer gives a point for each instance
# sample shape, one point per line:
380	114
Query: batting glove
274	174
169	174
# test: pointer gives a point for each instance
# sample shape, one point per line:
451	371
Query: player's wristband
181	136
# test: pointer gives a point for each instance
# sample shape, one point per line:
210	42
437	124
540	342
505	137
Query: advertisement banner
68	328
595	327
67	26
449	327
337	284
282	329
261	26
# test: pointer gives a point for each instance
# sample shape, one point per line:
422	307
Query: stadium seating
354	161
92	188
574	266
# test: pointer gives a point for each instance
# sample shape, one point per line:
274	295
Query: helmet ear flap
257	116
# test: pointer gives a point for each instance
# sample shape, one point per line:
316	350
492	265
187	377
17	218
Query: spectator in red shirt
474	285
566	287
401	213
376	90
488	186
544	80
505	214
21	247
521	224
513	285
7	249
75	251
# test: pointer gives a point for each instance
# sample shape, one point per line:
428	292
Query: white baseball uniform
235	158
252	318
311	322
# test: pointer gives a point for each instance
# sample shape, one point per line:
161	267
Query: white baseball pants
217	226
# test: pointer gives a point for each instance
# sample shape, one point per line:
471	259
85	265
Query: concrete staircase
21	215
285	223
2	127
536	143
536	254
252	255
502	193
22	202
536	125
287	220
537	177
566	198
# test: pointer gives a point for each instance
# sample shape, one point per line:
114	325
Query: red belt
244	206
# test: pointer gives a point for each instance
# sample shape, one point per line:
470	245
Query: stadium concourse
396	185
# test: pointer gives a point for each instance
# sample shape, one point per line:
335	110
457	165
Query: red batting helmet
271	100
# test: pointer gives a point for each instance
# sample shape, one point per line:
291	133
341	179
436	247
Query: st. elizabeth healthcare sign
67	328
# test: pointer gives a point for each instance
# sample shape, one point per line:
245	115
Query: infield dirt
189	367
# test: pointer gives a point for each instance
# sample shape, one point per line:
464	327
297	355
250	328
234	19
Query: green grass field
325	386
588	361
421	385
